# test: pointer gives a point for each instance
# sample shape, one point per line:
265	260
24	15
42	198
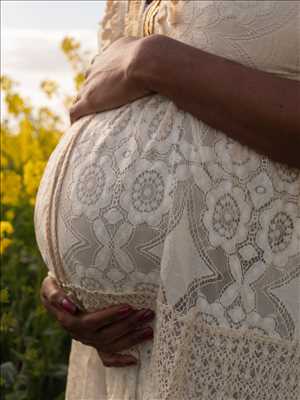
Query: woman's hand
108	330
110	82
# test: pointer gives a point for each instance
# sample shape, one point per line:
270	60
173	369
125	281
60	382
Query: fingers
64	318
76	99
89	70
109	330
82	326
55	297
119	335
110	358
112	332
81	108
131	339
117	360
57	304
106	316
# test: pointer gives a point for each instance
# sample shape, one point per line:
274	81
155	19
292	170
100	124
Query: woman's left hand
110	82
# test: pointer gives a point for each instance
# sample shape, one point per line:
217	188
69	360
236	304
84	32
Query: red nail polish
125	310
146	333
146	316
68	306
132	363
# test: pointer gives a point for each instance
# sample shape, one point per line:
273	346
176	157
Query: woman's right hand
108	330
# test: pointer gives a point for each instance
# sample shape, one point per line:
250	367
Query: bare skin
109	330
112	72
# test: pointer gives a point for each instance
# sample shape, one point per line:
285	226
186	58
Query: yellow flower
48	140
3	161
33	171
69	44
49	87
6	83
71	49
79	79
15	104
10	187
4	244
6	227
9	147
28	144
48	123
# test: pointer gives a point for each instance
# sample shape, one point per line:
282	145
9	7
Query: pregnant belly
120	182
101	215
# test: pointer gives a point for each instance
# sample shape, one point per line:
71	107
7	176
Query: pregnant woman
177	190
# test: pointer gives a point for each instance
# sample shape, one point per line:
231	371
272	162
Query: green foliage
34	348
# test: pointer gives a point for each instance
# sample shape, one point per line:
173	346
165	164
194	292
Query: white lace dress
146	204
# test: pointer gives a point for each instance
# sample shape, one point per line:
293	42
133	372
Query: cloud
39	51
30	56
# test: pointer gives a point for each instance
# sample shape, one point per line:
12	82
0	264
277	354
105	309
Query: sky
31	32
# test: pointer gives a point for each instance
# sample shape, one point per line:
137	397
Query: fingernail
130	361
146	316
124	310
146	333
68	306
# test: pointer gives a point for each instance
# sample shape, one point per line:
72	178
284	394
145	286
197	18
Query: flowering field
34	349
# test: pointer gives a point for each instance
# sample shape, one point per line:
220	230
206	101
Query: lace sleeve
111	27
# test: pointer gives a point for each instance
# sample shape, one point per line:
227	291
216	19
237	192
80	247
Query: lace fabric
148	205
192	360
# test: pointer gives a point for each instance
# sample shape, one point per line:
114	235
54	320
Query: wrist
147	63
165	65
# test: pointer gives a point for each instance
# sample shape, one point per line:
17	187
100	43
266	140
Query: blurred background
45	48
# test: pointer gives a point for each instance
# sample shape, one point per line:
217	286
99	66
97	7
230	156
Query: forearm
256	108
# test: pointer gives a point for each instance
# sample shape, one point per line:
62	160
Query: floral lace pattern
234	364
147	205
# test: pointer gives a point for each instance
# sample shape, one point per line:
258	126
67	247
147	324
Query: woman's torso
146	198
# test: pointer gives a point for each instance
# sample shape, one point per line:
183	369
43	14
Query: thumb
54	297
68	305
